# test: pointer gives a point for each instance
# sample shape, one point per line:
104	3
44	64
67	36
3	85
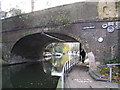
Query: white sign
110	29
117	25
110	23
100	39
104	26
88	27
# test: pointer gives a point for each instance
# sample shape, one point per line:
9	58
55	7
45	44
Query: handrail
67	67
110	67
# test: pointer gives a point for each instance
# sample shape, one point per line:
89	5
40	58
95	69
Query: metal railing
67	67
110	67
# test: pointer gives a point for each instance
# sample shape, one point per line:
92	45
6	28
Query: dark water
33	75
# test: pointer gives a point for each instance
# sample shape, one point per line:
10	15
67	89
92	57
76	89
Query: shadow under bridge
31	47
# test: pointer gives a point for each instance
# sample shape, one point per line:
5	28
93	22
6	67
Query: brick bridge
27	35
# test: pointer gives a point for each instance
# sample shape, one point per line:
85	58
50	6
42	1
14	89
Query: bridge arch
31	47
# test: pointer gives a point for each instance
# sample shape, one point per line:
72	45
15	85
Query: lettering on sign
88	27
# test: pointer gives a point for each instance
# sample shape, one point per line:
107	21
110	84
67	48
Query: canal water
34	74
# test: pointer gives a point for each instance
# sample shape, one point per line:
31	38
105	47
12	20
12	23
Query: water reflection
30	75
55	63
34	74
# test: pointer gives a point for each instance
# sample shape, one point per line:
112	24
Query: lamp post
32	5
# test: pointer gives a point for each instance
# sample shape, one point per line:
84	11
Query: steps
97	76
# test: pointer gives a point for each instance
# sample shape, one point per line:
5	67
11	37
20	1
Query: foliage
104	70
5	56
117	4
66	48
75	48
15	11
64	59
12	12
58	47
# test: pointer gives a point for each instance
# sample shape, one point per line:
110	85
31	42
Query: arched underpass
31	47
27	49
74	20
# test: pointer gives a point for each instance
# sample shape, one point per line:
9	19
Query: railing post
110	67
67	66
110	72
73	62
62	77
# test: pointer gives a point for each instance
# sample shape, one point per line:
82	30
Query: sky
25	5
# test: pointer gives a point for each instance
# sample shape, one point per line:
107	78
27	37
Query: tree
14	12
10	13
58	47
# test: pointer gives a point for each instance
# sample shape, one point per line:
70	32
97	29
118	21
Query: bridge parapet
53	16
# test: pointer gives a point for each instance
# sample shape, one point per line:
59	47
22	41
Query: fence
110	68
67	67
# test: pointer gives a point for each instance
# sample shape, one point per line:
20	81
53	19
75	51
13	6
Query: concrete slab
80	78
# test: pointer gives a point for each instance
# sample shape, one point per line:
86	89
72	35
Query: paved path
80	78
